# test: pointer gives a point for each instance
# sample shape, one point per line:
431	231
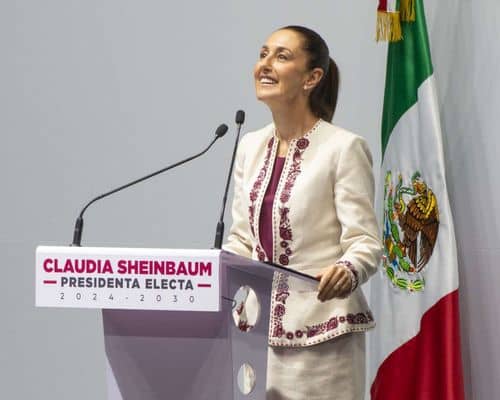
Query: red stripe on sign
204	285
50	282
428	366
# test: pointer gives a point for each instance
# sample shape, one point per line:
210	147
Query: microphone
219	232
77	233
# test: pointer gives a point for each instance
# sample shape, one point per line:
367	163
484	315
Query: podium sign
118	278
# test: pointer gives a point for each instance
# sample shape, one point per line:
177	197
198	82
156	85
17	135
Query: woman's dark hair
323	98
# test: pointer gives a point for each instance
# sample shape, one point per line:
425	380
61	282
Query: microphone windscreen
240	116
221	130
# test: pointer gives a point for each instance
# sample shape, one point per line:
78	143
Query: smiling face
281	73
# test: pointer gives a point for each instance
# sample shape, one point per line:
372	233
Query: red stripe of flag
428	366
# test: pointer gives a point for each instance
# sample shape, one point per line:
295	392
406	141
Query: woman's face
281	74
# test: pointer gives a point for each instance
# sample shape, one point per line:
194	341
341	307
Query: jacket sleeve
354	192
239	238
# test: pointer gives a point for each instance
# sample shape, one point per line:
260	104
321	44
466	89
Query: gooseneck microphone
219	232
77	234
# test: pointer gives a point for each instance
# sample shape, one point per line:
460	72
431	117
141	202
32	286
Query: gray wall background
95	93
467	60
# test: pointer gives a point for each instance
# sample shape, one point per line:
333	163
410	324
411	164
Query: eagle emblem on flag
411	226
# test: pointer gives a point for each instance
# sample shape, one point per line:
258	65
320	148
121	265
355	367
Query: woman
304	199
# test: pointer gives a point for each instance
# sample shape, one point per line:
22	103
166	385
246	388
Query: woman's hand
335	281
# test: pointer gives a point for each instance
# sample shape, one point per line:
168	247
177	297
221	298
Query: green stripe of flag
408	65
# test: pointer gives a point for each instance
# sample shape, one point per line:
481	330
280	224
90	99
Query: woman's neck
293	123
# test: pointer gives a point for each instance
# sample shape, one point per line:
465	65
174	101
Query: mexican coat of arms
411	225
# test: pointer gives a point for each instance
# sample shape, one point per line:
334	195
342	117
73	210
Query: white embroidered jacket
322	213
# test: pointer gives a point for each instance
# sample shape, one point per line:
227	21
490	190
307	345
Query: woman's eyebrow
279	48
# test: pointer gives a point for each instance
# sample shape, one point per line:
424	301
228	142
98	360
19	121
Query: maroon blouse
266	213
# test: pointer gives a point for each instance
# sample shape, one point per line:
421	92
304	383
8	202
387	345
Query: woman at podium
304	199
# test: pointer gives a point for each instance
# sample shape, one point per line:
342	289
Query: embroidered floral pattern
333	323
243	324
279	310
285	229
260	254
302	143
254	193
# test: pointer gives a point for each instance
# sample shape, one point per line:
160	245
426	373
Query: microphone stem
77	234
224	200
219	232
147	177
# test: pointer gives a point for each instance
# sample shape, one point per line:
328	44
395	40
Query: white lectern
178	324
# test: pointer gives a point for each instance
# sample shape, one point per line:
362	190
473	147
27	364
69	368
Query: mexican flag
414	352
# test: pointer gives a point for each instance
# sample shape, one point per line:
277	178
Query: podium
164	339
